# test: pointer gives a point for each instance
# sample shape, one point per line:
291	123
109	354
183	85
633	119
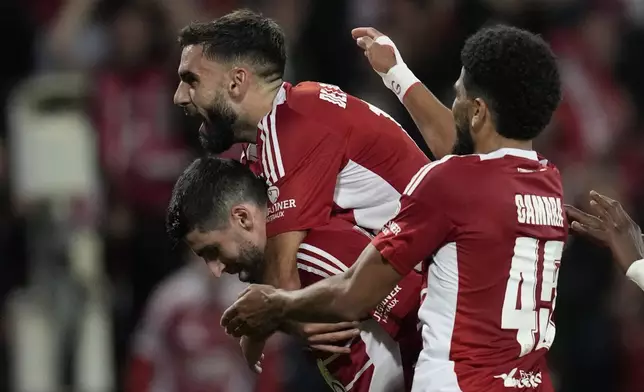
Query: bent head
218	208
509	88
225	65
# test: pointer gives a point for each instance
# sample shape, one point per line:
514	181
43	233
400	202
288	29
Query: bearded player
322	152
489	226
219	207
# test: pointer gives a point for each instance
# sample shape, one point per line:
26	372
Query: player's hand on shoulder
252	350
329	338
611	226
257	312
378	48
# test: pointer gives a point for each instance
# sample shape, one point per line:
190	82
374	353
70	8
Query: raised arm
433	119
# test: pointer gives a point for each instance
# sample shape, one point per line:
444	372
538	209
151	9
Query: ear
242	217
239	82
479	114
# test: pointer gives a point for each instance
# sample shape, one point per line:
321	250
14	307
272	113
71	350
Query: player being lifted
322	152
489	225
219	208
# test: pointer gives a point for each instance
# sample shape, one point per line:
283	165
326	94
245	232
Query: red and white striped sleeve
300	161
423	222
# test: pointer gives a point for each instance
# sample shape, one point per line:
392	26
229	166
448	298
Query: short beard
464	144
217	134
252	258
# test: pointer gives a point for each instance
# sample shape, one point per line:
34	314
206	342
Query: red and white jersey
382	359
325	153
491	229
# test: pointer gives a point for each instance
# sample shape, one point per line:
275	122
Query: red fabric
139	377
491	259
336	247
326	153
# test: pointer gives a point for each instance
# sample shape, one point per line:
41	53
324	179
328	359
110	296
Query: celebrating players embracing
489	225
323	153
220	209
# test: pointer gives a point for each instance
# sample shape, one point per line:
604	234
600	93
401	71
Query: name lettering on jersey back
381	313
276	210
333	94
539	210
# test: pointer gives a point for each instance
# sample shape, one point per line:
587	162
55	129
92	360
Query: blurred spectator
178	346
127	49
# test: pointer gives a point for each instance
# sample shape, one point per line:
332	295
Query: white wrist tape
399	78
636	273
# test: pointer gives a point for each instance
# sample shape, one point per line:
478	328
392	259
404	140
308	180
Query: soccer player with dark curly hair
488	223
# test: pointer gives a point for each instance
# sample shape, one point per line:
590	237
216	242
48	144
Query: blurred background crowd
93	299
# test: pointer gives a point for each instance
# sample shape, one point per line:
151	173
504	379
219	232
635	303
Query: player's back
325	153
491	289
383	357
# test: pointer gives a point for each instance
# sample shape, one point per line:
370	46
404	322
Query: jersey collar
279	99
500	153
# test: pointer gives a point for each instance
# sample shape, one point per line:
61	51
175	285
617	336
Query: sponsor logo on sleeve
277	207
521	380
381	313
391	227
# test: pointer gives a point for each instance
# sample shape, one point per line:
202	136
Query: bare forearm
327	301
281	276
281	260
433	119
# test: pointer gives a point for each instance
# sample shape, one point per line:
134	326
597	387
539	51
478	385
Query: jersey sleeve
300	162
423	222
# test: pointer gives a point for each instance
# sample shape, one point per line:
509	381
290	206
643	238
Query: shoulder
296	110
440	176
324	104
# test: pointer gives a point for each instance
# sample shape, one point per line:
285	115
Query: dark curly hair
205	193
515	72
242	35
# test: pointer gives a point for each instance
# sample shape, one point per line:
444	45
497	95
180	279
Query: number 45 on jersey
520	309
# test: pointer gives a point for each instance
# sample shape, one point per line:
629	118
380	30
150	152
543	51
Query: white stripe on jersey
312	270
363	231
326	256
319	263
366	366
418	177
269	171
276	144
271	153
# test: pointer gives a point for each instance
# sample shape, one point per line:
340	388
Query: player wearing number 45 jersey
489	226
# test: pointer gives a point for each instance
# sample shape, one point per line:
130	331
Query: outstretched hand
378	48
611	226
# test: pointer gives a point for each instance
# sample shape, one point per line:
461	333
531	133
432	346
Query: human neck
262	103
498	142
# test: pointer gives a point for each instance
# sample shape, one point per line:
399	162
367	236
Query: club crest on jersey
273	193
